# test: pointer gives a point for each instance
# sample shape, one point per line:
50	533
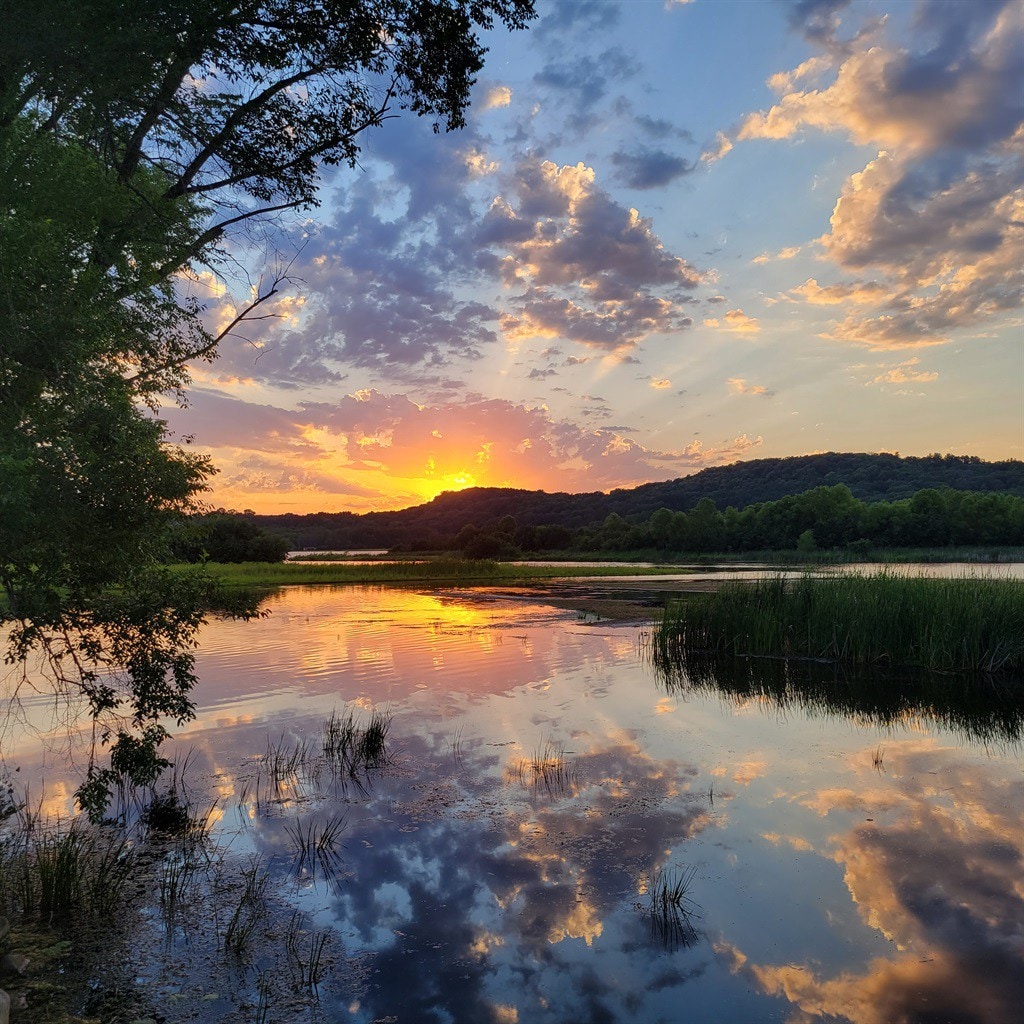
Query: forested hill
869	477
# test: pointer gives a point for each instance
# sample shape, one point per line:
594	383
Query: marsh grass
271	574
948	625
61	874
347	751
305	950
670	908
548	769
979	708
316	846
456	747
352	748
250	911
264	991
177	883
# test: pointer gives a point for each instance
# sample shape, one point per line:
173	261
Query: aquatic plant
54	874
976	707
352	748
263	994
316	845
670	908
967	624
548	768
250	910
176	883
305	949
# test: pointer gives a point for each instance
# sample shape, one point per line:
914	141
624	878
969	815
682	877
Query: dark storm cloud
649	168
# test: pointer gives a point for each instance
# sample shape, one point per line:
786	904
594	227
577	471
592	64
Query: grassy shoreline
982	555
477	573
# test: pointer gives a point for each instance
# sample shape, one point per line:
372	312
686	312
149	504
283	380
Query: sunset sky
673	235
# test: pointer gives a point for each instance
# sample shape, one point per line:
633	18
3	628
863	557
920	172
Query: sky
674	234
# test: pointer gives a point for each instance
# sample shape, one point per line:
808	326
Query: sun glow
433	485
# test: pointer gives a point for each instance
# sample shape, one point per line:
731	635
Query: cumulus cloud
937	217
963	93
904	373
735	321
577	17
591	270
659	128
783	254
496	96
717	149
859	293
583	83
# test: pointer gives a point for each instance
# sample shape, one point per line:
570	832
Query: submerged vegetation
948	625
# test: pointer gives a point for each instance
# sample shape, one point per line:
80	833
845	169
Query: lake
562	833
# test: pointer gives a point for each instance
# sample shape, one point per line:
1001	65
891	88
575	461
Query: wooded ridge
870	478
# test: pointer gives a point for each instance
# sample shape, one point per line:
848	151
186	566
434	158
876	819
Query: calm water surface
852	852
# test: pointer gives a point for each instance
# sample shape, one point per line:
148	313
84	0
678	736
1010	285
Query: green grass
64	873
253	574
952	625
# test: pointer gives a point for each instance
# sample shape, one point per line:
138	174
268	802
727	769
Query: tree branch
204	350
181	186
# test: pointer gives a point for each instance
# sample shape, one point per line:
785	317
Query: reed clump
965	624
65	873
671	909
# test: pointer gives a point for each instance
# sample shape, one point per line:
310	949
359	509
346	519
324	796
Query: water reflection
852	848
980	709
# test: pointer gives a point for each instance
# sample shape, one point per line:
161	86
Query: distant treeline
433	526
823	518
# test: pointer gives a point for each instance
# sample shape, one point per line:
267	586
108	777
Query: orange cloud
496	96
736	322
901	374
738	386
371	450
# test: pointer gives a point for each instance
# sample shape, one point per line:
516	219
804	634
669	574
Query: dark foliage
137	140
550	522
221	537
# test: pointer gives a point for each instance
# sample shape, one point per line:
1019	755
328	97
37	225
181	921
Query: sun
430	487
